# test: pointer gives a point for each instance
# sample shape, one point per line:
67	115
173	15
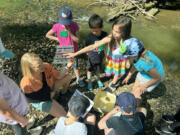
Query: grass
12	4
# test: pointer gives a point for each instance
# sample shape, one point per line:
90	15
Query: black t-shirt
41	95
94	56
126	125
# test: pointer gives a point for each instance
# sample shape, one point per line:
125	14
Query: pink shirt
66	41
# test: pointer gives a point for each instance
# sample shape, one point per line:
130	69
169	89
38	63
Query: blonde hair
26	62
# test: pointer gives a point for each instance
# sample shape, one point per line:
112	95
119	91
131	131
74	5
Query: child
95	57
131	120
121	30
149	67
70	125
67	35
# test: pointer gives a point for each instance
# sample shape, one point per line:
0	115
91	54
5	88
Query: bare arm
11	114
131	72
50	35
155	77
102	122
104	41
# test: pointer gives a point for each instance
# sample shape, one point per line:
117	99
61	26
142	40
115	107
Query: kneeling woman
40	82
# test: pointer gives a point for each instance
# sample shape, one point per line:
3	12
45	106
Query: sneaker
90	88
112	86
168	119
36	131
100	84
80	83
166	130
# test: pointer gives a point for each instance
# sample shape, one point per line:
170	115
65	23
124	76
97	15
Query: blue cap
65	16
4	52
132	48
126	101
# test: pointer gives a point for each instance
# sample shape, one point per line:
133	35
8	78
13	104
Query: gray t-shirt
77	128
13	96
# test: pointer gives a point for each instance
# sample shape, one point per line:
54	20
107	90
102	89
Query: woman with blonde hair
41	81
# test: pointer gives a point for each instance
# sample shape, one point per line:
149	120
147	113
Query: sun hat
65	16
126	101
130	47
4	52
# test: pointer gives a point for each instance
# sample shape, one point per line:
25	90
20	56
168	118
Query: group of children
121	49
41	78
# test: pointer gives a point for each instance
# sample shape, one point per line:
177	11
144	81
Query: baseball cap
126	101
4	52
65	16
131	47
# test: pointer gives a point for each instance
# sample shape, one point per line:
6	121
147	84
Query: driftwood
129	8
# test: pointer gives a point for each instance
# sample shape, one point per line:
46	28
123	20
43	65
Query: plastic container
104	102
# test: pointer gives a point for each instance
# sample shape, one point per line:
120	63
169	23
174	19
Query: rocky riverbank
23	29
165	99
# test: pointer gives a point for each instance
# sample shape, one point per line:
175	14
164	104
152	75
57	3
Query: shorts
75	65
144	80
44	106
93	67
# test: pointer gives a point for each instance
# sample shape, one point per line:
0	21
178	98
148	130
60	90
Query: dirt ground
165	99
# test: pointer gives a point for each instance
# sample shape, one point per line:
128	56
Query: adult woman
40	82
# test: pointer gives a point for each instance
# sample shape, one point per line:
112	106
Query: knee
136	92
69	77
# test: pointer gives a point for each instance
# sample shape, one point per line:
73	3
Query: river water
161	36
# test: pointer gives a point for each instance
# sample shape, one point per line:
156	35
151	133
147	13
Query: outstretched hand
126	80
69	55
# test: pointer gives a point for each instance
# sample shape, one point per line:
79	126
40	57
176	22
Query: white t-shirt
10	91
77	128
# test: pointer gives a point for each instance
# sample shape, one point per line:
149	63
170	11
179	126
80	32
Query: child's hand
115	110
142	88
24	121
69	55
126	80
70	63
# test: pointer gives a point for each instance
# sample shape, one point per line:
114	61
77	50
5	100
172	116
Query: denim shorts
44	106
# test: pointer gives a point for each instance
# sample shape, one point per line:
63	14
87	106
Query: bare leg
137	93
64	83
57	110
115	79
76	71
